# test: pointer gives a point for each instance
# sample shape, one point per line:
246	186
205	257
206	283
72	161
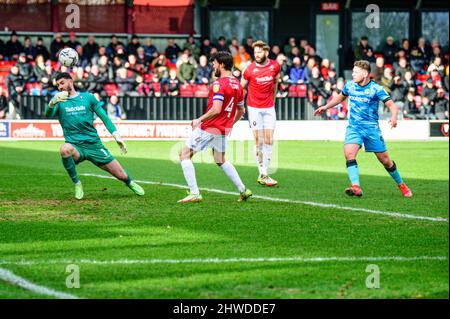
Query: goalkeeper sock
393	171
232	174
128	180
353	172
69	165
267	156
259	154
189	175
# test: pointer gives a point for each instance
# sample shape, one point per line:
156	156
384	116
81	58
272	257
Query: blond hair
261	44
363	64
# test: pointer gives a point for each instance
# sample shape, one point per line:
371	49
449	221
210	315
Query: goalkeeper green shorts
96	153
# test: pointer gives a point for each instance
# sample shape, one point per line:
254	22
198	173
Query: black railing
171	108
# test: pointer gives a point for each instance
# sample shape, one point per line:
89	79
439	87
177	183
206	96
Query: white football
68	57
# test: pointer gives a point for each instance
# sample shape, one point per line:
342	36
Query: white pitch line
223	260
286	200
11	278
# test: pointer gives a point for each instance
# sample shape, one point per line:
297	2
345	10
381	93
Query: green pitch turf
143	247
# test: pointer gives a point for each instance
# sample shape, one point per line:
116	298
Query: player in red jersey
225	107
261	79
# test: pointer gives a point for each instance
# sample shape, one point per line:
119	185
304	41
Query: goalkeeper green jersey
76	117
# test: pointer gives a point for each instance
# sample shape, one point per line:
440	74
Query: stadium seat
148	77
111	89
292	91
422	77
301	90
186	90
201	90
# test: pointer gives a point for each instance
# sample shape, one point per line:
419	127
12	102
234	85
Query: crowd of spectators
416	76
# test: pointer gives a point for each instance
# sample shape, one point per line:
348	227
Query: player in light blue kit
363	129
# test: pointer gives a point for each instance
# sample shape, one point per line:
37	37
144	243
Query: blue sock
353	172
393	171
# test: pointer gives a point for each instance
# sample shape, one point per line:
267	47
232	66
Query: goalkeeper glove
59	97
120	142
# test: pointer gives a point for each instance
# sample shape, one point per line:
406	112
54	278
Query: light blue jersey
363	115
363	102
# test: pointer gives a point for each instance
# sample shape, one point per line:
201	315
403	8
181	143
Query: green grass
41	222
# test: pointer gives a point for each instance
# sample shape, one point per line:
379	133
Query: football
68	57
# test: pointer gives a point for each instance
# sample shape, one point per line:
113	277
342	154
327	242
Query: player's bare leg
267	156
115	169
391	168
70	155
230	171
350	152
259	153
189	174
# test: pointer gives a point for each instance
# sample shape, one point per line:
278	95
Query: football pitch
302	239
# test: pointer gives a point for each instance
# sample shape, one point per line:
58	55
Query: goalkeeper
75	112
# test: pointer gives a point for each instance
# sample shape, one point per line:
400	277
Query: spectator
73	42
405	46
363	50
310	65
143	59
437	65
115	110
186	71
104	70
339	112
206	47
332	77
297	74
409	82
234	46
389	49
417	61
249	47
172	50
295	53
13	47
111	49
29	49
441	105
133	69
311	51
204	71
173	84
222	44
150	51
96	80
378	70
91	48
315	85
402	68
161	68
304	45
133	45
39	68
398	91
289	45
429	91
25	68
190	57
3	104
274	52
126	84
325	68
410	109
283	82
192	46
56	45
15	85
83	60
424	49
47	78
79	80
41	49
387	79
426	110
241	59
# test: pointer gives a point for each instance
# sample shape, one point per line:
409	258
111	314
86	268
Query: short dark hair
261	44
225	58
63	75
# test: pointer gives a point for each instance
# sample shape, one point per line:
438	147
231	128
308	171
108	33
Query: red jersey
261	83
229	90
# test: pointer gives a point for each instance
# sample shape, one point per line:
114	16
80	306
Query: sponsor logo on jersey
264	79
75	108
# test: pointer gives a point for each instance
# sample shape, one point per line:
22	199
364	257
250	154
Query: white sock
259	155
232	174
267	155
189	175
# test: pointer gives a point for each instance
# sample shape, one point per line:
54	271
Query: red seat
111	89
201	90
293	91
422	77
301	90
33	88
186	90
148	77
